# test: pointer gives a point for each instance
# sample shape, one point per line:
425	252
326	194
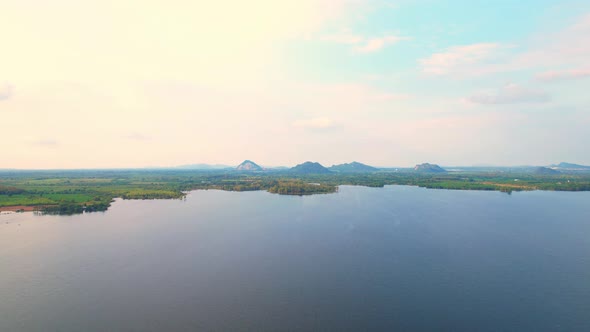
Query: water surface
393	258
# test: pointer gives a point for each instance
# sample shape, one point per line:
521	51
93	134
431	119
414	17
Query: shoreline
16	208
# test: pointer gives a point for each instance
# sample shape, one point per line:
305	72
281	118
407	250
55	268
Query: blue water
394	258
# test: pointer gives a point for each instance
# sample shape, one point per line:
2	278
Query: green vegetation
67	192
299	187
7	190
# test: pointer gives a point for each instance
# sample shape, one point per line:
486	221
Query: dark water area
394	258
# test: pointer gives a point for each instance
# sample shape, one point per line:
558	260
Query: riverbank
17	208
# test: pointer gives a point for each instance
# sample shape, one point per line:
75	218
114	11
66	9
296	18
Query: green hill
545	171
249	165
353	167
429	168
309	167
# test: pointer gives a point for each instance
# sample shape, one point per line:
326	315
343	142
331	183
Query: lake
395	258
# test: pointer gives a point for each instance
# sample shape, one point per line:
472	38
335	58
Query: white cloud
372	45
315	123
138	137
215	42
564	75
6	91
461	58
346	37
510	94
363	44
568	46
46	142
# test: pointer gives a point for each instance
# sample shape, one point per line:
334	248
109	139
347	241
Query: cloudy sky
111	83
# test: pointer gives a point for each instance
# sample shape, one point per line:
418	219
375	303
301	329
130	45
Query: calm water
398	257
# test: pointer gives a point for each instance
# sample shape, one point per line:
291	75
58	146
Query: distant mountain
428	168
545	171
309	167
353	167
571	166
249	165
203	166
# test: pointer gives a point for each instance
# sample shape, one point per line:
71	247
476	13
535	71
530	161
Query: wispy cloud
375	44
570	45
510	94
560	75
321	123
345	37
6	91
352	93
46	142
461	58
138	137
363	44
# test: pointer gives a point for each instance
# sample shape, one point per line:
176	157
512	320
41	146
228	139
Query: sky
111	83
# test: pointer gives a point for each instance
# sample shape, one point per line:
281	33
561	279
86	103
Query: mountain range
357	167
